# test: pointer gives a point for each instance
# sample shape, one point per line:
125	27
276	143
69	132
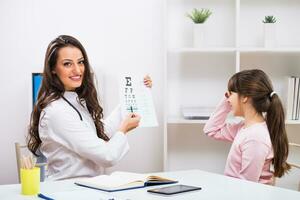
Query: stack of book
293	98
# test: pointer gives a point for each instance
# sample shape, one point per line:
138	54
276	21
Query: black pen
131	109
44	197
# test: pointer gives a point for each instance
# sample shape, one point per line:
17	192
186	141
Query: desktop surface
214	186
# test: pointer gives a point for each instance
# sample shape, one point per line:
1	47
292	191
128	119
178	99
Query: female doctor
67	123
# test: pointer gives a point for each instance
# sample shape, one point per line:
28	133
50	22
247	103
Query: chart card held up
137	98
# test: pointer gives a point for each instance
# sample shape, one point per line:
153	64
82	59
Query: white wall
119	36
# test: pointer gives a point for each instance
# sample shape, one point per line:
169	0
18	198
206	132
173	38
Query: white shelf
203	50
292	122
180	120
233	49
270	50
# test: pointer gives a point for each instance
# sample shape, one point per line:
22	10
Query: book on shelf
118	181
290	98
296	99
293	98
298	107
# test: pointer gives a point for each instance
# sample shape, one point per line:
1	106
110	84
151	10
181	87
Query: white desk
214	186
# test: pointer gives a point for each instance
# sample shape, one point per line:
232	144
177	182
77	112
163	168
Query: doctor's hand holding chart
136	98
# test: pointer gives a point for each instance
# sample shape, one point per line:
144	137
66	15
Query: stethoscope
72	107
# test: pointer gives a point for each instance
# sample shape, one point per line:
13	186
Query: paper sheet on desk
136	97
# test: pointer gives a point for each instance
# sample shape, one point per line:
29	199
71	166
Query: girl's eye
81	62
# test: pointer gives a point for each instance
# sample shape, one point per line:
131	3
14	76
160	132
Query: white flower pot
270	39
199	35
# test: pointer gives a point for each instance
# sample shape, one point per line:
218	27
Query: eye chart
137	98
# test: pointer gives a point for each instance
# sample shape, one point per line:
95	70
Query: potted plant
199	17
269	31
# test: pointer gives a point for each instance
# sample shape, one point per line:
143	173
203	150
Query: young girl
260	140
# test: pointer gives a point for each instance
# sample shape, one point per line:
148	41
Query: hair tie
272	93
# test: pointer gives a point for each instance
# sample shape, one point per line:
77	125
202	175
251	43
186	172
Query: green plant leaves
199	16
269	19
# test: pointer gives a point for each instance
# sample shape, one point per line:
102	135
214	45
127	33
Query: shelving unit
198	76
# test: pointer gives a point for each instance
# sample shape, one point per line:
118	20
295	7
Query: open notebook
122	181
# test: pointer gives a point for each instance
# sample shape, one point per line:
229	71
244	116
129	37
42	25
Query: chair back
41	161
295	165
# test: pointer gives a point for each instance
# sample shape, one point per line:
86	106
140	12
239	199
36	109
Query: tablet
175	189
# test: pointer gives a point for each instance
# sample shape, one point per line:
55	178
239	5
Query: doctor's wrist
122	131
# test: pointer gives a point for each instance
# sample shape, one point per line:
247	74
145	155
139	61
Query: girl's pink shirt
251	153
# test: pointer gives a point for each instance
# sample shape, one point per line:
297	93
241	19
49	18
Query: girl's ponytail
275	120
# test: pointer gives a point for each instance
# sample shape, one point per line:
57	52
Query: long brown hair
52	89
256	85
